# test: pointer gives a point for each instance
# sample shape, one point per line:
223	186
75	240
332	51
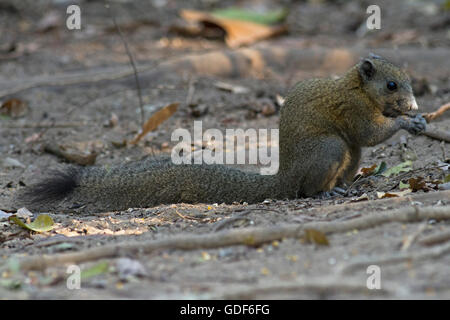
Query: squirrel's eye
391	85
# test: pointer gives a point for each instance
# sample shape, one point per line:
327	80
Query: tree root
245	236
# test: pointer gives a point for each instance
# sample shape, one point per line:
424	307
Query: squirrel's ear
367	69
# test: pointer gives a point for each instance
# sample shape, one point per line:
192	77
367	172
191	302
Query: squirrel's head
387	85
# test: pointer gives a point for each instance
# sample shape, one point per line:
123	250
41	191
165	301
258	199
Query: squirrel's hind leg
329	163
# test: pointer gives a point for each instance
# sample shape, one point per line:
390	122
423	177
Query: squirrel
324	123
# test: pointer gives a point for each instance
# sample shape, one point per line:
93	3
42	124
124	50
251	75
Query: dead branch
84	77
435	238
245	236
400	257
45	125
396	201
437	134
240	216
133	64
413	237
439	112
323	286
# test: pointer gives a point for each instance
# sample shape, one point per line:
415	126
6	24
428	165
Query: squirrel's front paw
418	124
415	125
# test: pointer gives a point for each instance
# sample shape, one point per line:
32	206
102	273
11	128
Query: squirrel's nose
413	104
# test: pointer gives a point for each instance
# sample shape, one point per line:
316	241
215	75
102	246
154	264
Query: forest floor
39	57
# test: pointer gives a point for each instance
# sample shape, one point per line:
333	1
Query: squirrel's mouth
392	113
400	107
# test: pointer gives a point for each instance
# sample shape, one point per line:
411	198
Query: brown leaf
14	108
155	120
82	153
417	184
368	171
315	236
363	197
238	32
382	195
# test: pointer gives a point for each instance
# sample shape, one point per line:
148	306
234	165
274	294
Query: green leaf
402	167
99	268
10	284
446	5
447	178
403	185
42	223
246	15
381	168
13	265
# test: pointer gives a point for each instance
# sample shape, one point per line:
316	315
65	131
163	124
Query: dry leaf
363	197
14	108
368	171
82	153
231	88
373	170
155	120
382	195
417	184
316	237
238	32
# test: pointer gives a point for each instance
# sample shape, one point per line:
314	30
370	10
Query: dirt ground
36	46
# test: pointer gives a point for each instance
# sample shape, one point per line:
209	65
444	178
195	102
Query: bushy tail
145	184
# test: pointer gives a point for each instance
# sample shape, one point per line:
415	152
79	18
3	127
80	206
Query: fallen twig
133	65
409	240
323	286
386	202
46	125
240	216
435	238
400	257
245	236
439	112
437	134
